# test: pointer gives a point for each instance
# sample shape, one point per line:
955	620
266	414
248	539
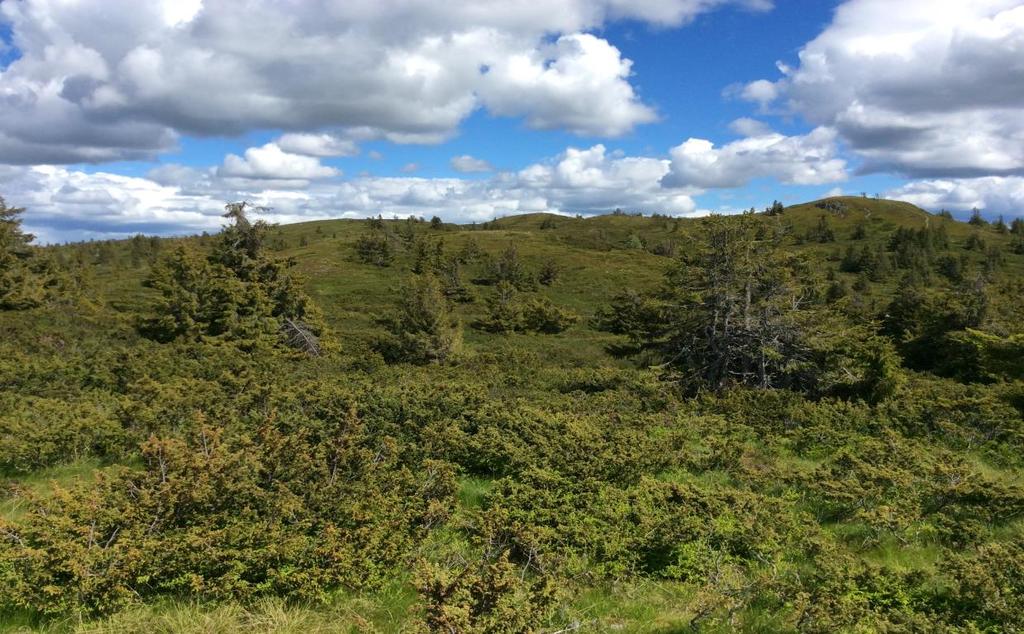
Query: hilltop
595	255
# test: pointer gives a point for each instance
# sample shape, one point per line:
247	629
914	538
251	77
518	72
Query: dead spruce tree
732	310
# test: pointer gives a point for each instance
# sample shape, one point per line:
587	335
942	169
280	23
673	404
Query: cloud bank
923	88
108	80
65	203
931	90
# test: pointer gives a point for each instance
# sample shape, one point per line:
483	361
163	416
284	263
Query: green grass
41	482
898	555
386	611
647	607
472	492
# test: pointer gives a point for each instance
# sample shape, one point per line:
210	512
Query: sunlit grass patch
12	503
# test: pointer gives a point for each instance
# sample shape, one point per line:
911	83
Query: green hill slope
595	256
572	473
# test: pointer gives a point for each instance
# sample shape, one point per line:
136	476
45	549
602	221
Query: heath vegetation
809	419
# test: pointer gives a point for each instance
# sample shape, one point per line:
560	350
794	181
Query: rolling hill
572	475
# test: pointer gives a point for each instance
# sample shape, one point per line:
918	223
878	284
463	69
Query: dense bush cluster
507	311
284	510
236	293
27	277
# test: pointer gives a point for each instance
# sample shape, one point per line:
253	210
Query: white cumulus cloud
322	145
65	204
68	204
926	88
809	159
106	80
270	162
579	83
993	194
468	164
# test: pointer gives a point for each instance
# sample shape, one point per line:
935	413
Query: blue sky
126	117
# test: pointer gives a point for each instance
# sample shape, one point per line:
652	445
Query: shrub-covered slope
804	421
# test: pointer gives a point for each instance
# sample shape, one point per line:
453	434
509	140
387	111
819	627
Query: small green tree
880	265
27	278
13	240
1017	245
549	272
836	290
976	219
142	250
853	261
375	248
428	255
822	232
423	329
923	321
666	249
235	294
504	313
638	317
975	243
508	312
508	267
240	244
952	267
450	274
634	242
470	251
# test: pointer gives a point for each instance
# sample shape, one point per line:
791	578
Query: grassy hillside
594	255
538	481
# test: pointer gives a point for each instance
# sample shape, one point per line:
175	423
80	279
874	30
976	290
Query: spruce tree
976	219
504	313
731	314
880	265
508	267
235	294
27	278
13	241
822	232
423	329
549	272
1017	246
375	248
450	273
